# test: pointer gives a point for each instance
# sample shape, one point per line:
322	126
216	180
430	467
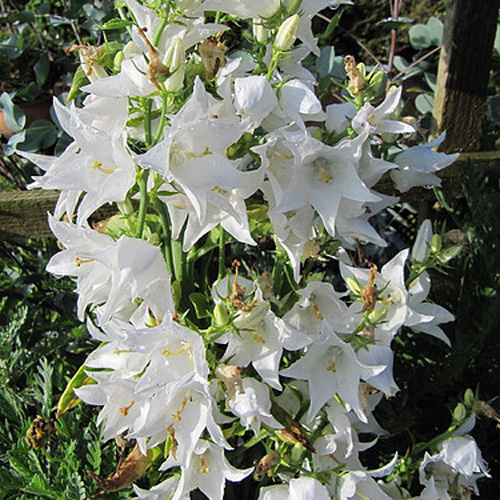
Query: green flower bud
287	33
378	315
220	315
377	80
436	243
354	285
293	7
469	397
450	253
117	61
174	61
459	413
260	32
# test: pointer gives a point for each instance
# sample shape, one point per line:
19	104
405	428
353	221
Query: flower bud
459	413
117	61
420	251
354	285
174	60
260	32
287	33
293	7
220	315
436	243
450	253
469	397
378	315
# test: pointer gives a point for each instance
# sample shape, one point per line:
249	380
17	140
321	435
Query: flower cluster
203	145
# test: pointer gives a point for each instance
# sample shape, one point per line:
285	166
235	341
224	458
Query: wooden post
469	33
23	214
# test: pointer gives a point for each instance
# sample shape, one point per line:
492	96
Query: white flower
254	99
193	156
339	117
418	165
457	465
208	470
163	490
318	302
252	405
375	119
330	366
429	316
242	8
323	176
301	488
357	484
97	163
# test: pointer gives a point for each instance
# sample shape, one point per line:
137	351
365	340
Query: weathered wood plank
464	65
23	214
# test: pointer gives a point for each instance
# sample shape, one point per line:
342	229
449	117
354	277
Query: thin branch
356	39
420	59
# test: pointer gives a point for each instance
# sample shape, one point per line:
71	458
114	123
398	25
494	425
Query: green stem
272	65
143	204
167	235
222	254
147	121
159	31
178	259
163	118
434	441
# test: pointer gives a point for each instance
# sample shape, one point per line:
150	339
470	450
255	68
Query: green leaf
326	61
334	21
20	466
42	134
11	146
400	63
116	24
497	39
29	92
79	80
431	80
68	399
424	103
41	68
435	27
39	486
200	304
21	17
395	23
494	109
11	47
11	408
420	37
13	115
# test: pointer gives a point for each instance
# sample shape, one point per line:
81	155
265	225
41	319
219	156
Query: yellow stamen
98	166
204	468
323	175
192	155
79	261
124	411
177	414
332	366
282	155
